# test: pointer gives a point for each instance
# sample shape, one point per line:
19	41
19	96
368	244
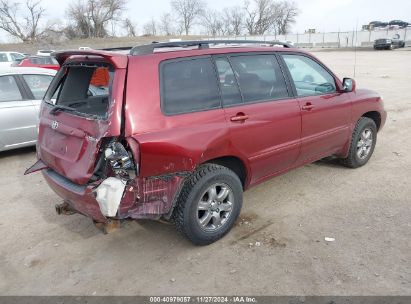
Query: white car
7	58
21	92
45	52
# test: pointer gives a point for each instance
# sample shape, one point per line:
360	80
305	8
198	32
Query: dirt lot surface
277	246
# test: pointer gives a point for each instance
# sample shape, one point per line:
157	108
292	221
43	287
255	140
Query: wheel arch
375	116
236	165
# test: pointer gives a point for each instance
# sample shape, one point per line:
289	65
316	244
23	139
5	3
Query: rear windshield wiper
58	108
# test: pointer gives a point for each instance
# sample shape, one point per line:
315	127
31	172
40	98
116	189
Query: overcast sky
323	15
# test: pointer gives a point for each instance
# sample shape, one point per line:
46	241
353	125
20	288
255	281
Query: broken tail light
121	161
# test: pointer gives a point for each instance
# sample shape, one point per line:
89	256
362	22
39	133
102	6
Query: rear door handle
308	106
240	117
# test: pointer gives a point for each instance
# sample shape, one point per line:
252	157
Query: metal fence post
352	40
338	37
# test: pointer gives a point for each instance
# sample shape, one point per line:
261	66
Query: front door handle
240	117
308	106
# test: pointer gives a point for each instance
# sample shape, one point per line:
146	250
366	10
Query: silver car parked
21	92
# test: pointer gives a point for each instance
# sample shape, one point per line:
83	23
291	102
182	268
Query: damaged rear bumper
141	198
80	198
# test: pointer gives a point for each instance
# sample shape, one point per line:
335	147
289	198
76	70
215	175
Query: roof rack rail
119	48
201	44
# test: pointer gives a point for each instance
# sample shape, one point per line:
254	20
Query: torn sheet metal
151	197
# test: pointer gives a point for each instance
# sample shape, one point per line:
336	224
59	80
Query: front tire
209	204
363	142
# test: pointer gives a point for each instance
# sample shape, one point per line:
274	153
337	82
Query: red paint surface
27	63
277	136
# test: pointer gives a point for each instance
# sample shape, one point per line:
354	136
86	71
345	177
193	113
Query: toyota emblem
54	125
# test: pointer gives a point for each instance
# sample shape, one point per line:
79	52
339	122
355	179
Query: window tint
259	77
15	56
309	77
43	60
188	86
9	90
228	84
38	84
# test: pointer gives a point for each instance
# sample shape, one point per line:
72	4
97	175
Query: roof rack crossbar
201	44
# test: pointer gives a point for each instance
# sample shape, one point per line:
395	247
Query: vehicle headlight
388	40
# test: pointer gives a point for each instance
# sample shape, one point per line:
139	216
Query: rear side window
9	91
43	60
189	85
3	58
16	56
259	77
38	84
85	89
309	77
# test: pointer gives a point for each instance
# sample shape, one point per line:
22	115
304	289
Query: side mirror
348	85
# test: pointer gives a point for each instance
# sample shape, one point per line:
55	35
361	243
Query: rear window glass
16	56
84	89
43	60
38	84
188	86
9	90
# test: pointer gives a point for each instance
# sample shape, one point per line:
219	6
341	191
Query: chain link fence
333	39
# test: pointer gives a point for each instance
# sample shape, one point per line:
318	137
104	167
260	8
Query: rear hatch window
83	89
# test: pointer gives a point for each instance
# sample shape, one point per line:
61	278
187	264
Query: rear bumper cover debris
141	198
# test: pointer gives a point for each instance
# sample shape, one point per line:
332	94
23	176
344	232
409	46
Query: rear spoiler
118	60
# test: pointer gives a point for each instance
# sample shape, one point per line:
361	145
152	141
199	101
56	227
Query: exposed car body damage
117	197
120	155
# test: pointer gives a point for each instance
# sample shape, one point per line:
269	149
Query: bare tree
22	25
233	20
260	16
188	11
263	15
213	22
91	17
286	17
150	28
166	25
130	28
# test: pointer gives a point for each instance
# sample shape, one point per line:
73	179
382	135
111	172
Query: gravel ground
277	246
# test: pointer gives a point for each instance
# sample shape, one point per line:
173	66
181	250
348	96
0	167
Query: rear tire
362	145
209	204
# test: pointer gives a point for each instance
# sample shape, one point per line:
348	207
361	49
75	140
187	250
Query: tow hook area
109	226
65	209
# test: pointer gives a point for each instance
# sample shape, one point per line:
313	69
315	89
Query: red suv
179	130
46	62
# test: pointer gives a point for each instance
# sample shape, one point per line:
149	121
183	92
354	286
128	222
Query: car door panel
269	138
325	115
264	130
325	125
18	117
